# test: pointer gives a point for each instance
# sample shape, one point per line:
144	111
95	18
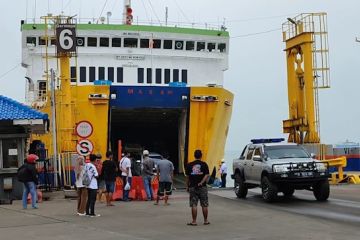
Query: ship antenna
166	15
127	15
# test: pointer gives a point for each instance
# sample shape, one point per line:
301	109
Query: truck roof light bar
267	140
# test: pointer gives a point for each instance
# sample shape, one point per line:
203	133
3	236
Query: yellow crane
307	55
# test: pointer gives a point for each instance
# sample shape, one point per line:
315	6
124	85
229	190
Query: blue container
177	84
102	83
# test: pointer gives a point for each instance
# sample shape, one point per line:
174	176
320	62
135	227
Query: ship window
156	43
168	44
140	75
158	75
82	74
167	75
92	74
110	74
222	47
175	75
42	41
92	42
120	74
131	42
179	45
31	41
101	73
190	45
104	42
116	42
42	86
144	43
149	75
200	46
73	74
211	47
80	41
52	41
184	76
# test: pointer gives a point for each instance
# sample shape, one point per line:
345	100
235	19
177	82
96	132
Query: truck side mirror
312	155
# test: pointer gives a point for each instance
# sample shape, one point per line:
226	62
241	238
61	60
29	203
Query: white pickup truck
276	166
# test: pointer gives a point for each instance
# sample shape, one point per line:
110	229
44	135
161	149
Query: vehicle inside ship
160	131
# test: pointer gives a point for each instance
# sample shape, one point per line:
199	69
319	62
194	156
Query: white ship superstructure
130	55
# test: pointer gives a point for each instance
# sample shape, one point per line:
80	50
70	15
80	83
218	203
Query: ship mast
127	14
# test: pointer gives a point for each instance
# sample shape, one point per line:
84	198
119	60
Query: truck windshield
280	152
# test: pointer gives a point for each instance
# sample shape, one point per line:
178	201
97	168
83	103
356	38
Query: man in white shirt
92	187
125	167
223	173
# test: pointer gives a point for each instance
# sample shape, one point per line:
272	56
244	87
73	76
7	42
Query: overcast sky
257	73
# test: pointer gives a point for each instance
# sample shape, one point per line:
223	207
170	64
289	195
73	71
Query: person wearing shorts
197	174
109	175
165	170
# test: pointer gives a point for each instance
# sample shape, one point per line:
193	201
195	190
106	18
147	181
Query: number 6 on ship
66	38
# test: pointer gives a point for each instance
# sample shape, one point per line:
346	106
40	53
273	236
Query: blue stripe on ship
149	97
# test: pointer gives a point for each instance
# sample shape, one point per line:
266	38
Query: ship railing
180	24
36	98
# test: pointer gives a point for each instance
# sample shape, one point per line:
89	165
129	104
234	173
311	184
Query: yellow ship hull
201	118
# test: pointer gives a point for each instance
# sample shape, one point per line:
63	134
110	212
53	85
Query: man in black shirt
197	173
109	175
27	174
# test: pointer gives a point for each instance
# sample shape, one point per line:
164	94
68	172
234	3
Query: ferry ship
157	87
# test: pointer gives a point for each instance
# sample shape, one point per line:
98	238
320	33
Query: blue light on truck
267	140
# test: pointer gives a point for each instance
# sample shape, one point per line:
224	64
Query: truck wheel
322	190
289	192
269	190
240	187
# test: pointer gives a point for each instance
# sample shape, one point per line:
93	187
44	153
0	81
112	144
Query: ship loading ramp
152	118
157	130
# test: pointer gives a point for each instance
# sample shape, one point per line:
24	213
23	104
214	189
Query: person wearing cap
27	174
147	174
223	173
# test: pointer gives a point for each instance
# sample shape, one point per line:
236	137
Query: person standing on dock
147	174
81	189
109	175
101	181
197	174
165	172
92	187
223	173
125	167
27	174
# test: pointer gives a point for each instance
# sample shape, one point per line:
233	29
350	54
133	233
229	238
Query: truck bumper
298	178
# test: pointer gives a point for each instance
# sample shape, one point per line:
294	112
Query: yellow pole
66	119
312	134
